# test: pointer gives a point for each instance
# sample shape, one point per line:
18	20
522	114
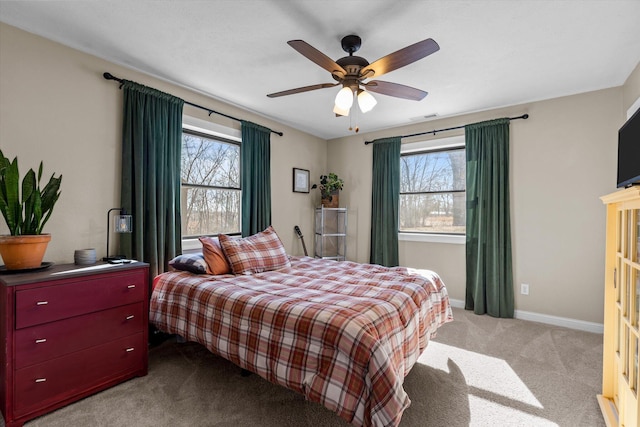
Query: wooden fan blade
302	89
400	58
395	89
318	57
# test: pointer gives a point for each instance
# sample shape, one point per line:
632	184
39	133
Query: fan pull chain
355	112
351	114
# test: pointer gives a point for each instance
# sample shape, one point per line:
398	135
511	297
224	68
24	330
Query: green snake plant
29	215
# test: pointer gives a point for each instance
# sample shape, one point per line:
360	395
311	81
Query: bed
342	334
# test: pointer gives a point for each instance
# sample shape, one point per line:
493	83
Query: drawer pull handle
40	341
131	286
130	317
42	303
130	349
41	380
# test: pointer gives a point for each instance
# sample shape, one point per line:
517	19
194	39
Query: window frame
430	146
203	128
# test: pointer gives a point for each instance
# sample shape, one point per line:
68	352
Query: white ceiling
492	53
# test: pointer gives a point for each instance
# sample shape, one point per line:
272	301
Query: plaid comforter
343	334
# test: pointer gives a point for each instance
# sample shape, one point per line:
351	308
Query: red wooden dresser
70	331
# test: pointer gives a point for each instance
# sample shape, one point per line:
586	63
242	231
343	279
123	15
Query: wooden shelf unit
621	373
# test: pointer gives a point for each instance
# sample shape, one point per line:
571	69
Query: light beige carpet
479	371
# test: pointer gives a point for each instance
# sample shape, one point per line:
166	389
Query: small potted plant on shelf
330	186
25	245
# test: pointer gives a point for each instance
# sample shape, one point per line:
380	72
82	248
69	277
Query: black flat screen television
629	152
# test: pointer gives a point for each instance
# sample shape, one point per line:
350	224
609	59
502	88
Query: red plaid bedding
343	334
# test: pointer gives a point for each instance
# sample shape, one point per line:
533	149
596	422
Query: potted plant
25	216
329	186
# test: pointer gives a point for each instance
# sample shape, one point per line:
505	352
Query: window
210	190
432	187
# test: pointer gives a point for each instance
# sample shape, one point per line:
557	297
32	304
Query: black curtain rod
110	76
524	116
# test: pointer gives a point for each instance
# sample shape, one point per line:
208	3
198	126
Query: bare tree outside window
432	191
210	191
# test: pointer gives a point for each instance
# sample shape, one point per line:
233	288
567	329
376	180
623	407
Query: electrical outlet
524	289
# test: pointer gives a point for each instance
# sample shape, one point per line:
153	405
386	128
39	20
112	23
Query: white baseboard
457	303
597	328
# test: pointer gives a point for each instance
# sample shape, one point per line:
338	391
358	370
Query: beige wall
631	89
55	106
562	159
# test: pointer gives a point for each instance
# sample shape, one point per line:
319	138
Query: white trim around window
456	239
191	244
214	129
433	144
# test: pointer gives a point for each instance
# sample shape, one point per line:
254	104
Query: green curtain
384	202
151	149
255	169
489	287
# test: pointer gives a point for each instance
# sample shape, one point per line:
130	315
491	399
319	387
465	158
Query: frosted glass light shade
344	98
366	101
340	111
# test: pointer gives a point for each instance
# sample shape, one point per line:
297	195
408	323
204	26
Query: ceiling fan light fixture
340	111
344	98
366	101
351	71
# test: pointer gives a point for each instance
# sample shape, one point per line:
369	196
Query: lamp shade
366	101
340	111
344	98
122	223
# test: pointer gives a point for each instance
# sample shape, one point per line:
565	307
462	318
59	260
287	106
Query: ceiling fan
352	72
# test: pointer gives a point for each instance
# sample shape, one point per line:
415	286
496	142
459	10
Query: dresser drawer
86	295
45	342
63	378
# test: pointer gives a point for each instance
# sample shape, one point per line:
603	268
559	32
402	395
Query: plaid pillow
254	254
194	263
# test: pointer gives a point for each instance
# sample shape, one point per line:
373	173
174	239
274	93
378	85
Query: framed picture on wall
300	180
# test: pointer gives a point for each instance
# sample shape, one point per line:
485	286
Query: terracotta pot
333	203
23	252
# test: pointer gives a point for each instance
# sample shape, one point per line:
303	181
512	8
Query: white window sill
455	239
191	244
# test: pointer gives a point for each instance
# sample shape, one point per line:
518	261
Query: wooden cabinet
620	382
331	233
68	332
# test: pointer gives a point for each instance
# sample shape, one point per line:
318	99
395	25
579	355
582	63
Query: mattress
343	334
